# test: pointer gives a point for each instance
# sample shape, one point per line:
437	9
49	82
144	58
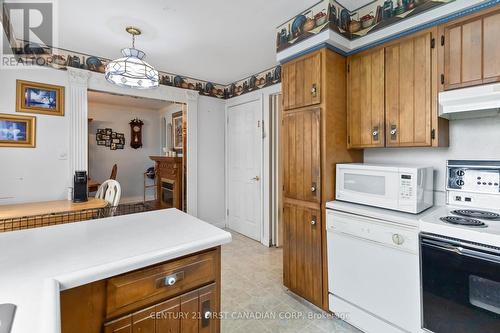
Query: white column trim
192	99
78	124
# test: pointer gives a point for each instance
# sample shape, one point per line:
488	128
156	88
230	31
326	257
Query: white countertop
408	219
36	264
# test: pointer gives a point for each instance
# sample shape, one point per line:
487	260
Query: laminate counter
37	264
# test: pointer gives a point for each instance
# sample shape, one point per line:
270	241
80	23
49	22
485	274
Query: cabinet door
189	310
302	261
302	82
143	322
472	51
301	154
122	325
463	54
365	100
408	85
168	319
491	48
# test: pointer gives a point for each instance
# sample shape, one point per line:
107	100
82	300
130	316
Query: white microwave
403	188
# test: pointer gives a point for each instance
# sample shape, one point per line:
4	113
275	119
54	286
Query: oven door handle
461	250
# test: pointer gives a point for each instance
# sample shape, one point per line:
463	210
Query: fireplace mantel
169	173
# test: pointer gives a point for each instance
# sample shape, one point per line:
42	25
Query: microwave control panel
406	190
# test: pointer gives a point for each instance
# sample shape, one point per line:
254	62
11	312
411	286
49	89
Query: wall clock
136	133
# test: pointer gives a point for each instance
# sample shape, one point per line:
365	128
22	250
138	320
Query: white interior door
244	129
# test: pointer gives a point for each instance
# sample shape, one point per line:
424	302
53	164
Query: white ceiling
218	40
126	102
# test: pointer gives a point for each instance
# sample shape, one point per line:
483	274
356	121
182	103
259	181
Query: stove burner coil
468	222
478	214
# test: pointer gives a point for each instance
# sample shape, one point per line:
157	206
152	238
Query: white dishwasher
373	272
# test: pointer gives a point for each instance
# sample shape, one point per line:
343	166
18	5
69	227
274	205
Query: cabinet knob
207	314
171	280
313	220
313	187
394	130
314	90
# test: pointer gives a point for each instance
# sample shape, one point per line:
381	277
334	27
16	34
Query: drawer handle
169	280
207	313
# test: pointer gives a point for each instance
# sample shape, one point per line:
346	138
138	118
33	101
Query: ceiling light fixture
132	71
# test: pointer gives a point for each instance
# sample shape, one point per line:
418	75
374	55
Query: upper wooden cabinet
392	95
408	99
301	155
470	51
301	82
365	95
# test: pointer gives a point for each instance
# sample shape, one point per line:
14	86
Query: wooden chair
110	191
114	171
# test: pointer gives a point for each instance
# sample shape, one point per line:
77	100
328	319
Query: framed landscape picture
17	131
33	97
177	130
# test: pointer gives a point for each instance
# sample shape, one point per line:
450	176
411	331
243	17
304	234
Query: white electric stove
472	212
460	252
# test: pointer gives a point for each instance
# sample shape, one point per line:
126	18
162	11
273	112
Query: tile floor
254	299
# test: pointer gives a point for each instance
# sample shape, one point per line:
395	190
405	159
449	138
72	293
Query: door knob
256	178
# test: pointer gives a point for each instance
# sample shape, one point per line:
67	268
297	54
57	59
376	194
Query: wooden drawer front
134	290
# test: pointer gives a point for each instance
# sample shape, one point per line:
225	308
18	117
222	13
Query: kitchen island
44	270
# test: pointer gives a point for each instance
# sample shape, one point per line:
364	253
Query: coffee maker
80	189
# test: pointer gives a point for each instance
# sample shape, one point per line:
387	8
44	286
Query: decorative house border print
330	14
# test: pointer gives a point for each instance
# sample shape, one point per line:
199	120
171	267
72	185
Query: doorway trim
263	95
80	81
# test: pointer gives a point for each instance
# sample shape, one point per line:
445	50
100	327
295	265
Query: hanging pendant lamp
132	71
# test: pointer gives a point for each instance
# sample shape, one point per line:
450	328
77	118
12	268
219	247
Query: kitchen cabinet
188	313
301	151
408	99
365	95
172	297
301	82
302	251
313	139
392	95
470	53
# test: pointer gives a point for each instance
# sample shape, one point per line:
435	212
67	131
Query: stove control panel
474	178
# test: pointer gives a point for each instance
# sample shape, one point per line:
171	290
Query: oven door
368	185
460	286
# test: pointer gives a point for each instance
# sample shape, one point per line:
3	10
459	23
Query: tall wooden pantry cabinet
313	141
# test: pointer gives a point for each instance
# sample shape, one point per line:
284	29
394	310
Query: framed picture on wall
17	131
177	130
33	97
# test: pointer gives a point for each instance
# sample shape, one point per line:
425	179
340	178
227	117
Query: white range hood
474	102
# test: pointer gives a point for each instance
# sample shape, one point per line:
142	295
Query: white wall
131	162
41	173
469	139
211	160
